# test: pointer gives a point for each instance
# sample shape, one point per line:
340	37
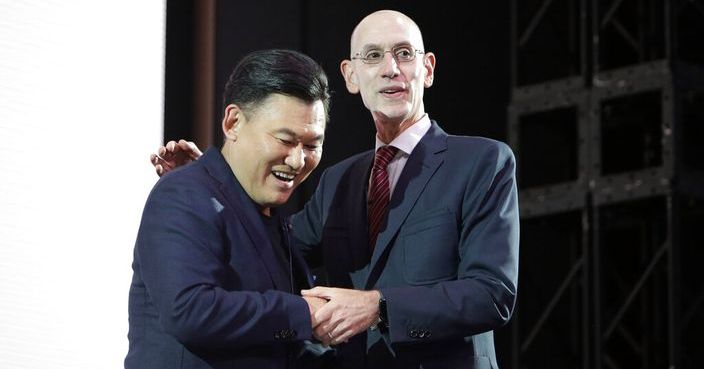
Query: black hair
276	71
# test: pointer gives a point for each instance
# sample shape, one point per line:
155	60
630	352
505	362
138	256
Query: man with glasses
420	236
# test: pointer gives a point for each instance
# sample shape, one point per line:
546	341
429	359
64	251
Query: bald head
392	86
383	26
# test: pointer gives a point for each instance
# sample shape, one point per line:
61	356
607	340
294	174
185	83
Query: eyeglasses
402	54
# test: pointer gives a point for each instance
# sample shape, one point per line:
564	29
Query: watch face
376	324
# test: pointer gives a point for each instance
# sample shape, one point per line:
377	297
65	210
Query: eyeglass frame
358	55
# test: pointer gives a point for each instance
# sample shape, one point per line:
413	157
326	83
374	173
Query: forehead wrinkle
292	133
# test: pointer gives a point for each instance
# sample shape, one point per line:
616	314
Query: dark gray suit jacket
446	260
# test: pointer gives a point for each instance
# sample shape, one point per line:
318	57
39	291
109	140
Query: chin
395	111
395	116
281	200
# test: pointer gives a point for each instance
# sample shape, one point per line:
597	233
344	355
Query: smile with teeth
283	176
391	90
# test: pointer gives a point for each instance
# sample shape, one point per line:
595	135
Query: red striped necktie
378	200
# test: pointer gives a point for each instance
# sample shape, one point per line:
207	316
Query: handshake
338	314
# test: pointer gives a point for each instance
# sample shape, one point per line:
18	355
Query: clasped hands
338	314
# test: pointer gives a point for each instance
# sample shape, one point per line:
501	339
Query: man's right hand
174	154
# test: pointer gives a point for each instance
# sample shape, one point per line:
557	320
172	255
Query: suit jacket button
293	333
421	334
427	334
277	335
413	333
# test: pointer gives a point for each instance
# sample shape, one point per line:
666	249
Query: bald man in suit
419	237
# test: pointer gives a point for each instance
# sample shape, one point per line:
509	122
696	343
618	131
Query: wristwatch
383	316
382	321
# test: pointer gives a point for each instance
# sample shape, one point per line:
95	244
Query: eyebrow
291	133
377	46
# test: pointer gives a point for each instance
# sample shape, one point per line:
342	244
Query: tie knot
384	156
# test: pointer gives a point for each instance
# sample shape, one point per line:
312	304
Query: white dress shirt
405	142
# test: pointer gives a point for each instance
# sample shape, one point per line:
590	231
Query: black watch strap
383	315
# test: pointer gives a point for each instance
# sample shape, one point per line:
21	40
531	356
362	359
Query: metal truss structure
607	123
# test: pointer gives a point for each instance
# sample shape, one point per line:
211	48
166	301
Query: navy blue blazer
208	290
446	261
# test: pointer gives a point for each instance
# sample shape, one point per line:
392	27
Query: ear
429	65
232	121
350	76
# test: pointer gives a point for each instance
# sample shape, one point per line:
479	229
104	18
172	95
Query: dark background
602	102
469	96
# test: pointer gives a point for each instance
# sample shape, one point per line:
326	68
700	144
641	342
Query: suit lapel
246	213
357	208
423	162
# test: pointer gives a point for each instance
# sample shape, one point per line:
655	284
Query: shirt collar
409	138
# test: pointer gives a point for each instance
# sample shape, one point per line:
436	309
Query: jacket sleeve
482	297
308	226
182	254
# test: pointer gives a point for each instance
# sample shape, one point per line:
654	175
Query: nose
296	157
389	66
